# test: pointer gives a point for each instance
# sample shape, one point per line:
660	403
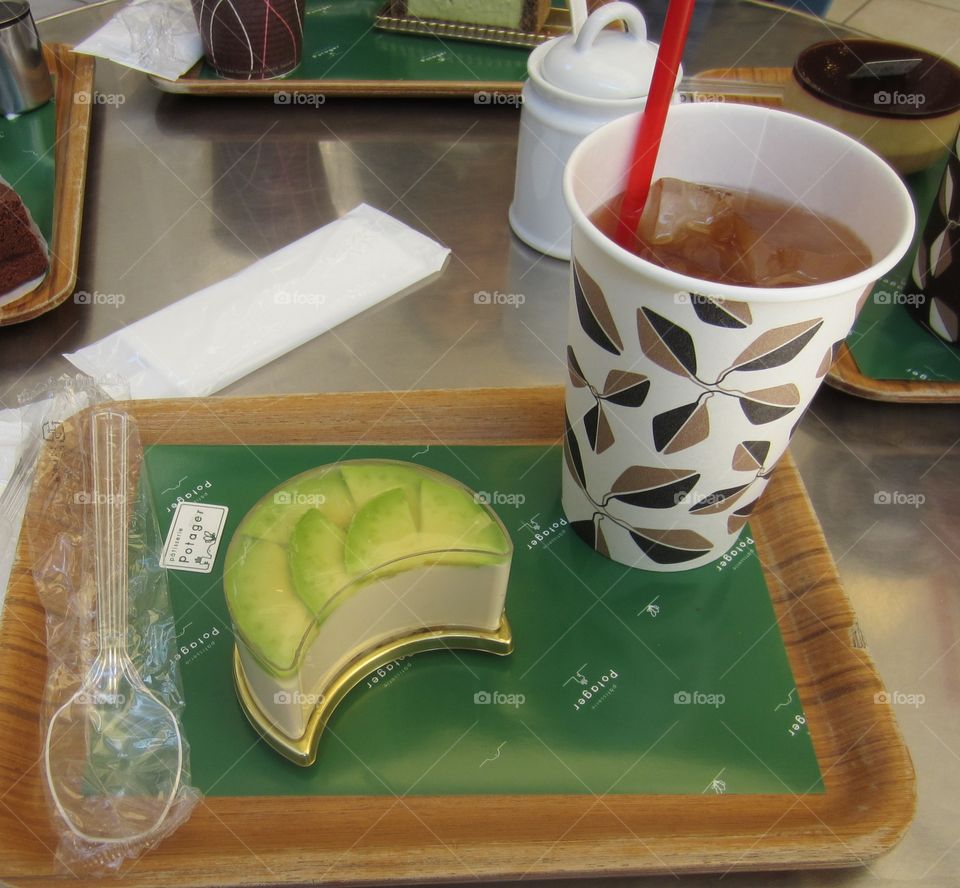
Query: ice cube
787	246
741	238
676	208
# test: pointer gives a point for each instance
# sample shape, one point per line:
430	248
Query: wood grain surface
870	792
74	101
845	376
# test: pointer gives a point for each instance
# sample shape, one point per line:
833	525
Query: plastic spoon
113	751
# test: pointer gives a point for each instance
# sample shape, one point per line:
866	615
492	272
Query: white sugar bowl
575	85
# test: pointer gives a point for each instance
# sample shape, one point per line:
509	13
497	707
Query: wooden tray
74	85
845	376
365	81
870	788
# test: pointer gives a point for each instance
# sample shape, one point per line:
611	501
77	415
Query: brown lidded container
251	39
898	100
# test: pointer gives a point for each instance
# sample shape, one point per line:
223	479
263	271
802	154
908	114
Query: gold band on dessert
303	750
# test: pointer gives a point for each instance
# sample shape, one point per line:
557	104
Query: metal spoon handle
110	439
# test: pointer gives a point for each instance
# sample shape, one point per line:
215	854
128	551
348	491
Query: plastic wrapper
200	344
115	762
23	431
158	37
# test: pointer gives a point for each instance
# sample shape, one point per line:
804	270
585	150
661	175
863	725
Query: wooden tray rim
192	85
845	376
74	75
870	785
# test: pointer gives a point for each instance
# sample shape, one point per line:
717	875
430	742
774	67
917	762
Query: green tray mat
646	641
886	341
27	153
340	43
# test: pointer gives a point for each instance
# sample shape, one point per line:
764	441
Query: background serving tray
73	104
343	55
922	369
868	802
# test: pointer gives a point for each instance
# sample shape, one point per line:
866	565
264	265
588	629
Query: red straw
650	130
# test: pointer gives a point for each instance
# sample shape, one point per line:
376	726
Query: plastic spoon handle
110	513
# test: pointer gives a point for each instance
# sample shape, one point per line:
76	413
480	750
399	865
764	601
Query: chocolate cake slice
524	15
23	252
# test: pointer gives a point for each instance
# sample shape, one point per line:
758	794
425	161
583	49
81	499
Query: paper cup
251	39
683	394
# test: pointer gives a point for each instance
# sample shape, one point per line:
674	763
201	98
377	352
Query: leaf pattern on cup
594	313
719	500
599	432
621	387
681	427
721	312
686	422
577	379
671	546
770	404
571	453
652	487
750	455
591	532
736	520
775	347
625	388
667	345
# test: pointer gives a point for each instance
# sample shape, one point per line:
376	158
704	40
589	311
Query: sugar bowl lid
604	64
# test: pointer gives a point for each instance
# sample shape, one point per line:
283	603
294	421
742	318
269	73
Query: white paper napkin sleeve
206	341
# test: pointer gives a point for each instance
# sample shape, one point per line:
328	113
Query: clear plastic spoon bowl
113	751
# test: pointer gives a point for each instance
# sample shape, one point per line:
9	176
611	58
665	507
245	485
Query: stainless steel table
182	192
